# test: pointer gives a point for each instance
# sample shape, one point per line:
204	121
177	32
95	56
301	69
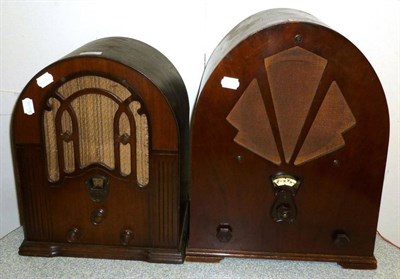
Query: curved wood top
146	60
250	26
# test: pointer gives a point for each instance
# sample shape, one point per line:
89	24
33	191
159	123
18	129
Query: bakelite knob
73	235
126	236
224	232
340	239
284	211
98	216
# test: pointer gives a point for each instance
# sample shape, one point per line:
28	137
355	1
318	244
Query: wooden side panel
165	200
33	188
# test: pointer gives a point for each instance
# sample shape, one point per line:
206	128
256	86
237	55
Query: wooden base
48	249
348	262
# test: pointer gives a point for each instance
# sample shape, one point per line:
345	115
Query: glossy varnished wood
132	221
339	196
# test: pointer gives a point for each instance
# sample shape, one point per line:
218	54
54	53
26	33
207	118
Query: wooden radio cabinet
289	139
100	141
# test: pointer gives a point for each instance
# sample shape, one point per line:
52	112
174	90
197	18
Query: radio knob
284	211
340	240
98	216
73	235
126	236
224	232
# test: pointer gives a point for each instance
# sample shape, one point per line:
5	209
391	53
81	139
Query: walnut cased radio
100	143
289	140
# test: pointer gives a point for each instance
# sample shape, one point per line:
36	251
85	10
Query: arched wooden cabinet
100	143
289	139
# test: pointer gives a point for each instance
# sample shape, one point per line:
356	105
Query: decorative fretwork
51	139
66	134
142	139
124	146
92	120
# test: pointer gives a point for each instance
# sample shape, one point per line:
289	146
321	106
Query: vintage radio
289	140
100	142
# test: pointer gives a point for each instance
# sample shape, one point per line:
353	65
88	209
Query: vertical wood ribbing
165	206
34	192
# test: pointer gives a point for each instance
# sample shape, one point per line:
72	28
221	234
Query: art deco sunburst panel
293	76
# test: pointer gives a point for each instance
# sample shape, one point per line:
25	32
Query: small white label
91	53
44	80
230	83
27	105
